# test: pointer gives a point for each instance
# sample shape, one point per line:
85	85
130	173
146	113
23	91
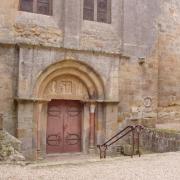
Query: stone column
92	126
38	129
40	117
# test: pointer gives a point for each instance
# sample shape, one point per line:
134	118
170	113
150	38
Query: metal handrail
134	129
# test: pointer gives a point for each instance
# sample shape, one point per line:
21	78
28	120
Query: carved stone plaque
147	102
67	87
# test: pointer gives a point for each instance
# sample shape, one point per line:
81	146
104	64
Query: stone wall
158	140
8	86
36	60
158	77
63	29
103	36
169	55
138	75
138	91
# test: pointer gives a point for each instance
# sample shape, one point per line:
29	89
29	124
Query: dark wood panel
64	126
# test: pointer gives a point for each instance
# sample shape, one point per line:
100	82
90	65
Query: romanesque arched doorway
65	117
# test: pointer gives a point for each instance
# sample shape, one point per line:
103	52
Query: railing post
138	134
102	150
1	121
139	128
132	141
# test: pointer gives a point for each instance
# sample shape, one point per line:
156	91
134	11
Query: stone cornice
96	52
41	100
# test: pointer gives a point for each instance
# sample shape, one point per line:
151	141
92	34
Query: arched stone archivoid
70	70
67	81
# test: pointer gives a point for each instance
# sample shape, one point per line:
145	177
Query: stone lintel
40	100
75	50
107	53
18	99
102	101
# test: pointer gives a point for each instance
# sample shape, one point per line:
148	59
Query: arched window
97	10
37	6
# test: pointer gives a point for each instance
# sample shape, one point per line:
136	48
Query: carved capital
92	107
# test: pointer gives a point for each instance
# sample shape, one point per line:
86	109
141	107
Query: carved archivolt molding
69	79
66	87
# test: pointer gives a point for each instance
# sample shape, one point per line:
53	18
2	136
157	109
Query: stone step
81	160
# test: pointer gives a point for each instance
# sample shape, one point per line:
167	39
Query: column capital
92	107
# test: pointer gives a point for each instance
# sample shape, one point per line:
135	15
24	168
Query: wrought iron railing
134	129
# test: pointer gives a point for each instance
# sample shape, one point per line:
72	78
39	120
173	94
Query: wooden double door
64	126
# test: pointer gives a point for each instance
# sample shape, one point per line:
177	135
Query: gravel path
148	167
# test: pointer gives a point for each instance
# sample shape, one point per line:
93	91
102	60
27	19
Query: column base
39	155
92	150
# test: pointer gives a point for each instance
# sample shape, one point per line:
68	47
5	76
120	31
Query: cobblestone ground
148	167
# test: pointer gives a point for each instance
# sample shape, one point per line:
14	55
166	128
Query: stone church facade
74	72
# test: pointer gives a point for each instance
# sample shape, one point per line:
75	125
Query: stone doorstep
69	158
76	159
87	160
73	162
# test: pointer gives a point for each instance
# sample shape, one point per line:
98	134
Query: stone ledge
24	99
59	47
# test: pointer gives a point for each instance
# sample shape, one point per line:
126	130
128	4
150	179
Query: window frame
95	18
35	7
